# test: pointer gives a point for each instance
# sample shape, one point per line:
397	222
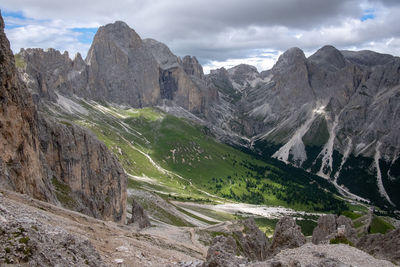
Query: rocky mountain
59	163
335	113
120	68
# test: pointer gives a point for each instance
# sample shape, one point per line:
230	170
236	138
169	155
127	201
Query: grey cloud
228	29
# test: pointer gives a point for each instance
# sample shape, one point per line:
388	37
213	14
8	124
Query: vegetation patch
63	193
19	61
379	225
341	240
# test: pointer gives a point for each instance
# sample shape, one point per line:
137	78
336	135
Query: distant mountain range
335	113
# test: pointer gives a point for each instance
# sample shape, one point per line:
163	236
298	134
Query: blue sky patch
85	34
368	14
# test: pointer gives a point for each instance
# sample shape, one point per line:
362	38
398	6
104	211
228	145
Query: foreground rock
287	235
330	226
139	216
243	242
385	246
59	163
323	256
26	240
224	252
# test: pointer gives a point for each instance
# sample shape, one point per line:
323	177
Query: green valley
179	158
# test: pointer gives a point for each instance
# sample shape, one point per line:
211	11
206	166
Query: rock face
287	235
50	161
329	226
385	246
121	69
139	216
86	176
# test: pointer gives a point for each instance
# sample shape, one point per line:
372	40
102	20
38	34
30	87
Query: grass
379	225
352	215
63	193
341	240
19	61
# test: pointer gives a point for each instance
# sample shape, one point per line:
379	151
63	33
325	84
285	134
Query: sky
220	33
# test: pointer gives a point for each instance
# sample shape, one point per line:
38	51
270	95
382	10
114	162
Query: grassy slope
196	162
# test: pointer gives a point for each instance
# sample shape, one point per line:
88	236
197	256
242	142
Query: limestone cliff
61	164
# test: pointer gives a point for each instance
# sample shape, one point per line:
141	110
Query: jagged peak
328	57
192	66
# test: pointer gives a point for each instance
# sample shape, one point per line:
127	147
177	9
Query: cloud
216	32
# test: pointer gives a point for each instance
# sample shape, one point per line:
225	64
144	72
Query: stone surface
287	235
332	255
328	227
28	240
223	253
139	216
242	238
58	163
385	246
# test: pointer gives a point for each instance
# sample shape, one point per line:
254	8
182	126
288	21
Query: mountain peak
292	56
329	58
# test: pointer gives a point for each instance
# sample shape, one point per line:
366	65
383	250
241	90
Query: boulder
139	216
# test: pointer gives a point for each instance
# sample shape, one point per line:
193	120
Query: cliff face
20	167
121	69
58	163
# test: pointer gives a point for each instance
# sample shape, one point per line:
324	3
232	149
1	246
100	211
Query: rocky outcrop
381	246
223	252
58	163
139	216
241	238
48	72
287	235
330	226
